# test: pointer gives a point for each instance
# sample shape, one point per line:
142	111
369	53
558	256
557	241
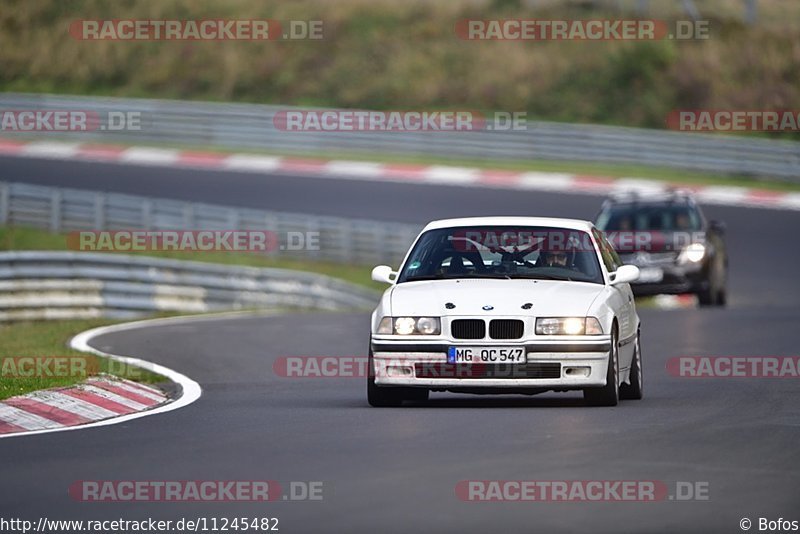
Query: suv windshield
662	217
503	252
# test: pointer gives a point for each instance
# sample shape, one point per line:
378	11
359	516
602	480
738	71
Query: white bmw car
506	305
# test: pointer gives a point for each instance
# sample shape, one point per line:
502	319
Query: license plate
650	275
486	355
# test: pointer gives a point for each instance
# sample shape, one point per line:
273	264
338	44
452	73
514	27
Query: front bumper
676	278
567	364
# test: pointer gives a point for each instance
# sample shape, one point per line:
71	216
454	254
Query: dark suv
675	247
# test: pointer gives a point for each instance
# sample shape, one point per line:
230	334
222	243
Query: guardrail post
5	203
99	211
384	248
188	216
147	215
55	211
345	230
271	225
313	225
234	220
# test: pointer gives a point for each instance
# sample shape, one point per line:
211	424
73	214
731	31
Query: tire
390	397
607	395
722	297
716	294
722	292
706	297
634	390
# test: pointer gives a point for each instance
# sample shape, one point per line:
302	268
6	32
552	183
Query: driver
555	258
682	221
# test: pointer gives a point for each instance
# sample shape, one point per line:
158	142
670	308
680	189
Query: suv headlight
568	326
692	253
407	326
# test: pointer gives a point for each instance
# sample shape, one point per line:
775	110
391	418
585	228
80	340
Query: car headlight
568	326
428	325
692	253
406	326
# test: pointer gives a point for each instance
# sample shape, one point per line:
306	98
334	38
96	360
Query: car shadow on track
480	401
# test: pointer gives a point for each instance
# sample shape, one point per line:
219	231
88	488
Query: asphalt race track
395	470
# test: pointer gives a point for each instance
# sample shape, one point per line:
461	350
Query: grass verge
49	339
381	54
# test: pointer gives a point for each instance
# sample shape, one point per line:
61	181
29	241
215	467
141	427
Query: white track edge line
191	390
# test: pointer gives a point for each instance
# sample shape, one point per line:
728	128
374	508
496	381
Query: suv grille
506	329
468	329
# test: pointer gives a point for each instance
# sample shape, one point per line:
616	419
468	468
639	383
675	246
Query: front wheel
706	297
607	395
716	293
722	297
634	390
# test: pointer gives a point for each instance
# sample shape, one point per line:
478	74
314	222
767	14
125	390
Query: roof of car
571	224
657	197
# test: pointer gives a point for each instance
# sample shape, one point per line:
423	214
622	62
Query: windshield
503	252
666	218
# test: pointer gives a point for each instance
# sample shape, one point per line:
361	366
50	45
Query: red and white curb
100	401
96	399
402	173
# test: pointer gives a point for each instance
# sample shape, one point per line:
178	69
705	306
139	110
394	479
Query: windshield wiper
424	277
454	277
542	277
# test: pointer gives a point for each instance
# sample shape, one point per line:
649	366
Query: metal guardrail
341	240
238	126
59	285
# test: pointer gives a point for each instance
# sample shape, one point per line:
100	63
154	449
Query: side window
614	256
610	257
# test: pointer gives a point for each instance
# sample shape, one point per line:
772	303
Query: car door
622	299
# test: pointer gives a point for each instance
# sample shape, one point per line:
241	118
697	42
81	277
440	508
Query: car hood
548	297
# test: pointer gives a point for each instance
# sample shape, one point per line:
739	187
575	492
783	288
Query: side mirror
717	226
384	273
625	274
